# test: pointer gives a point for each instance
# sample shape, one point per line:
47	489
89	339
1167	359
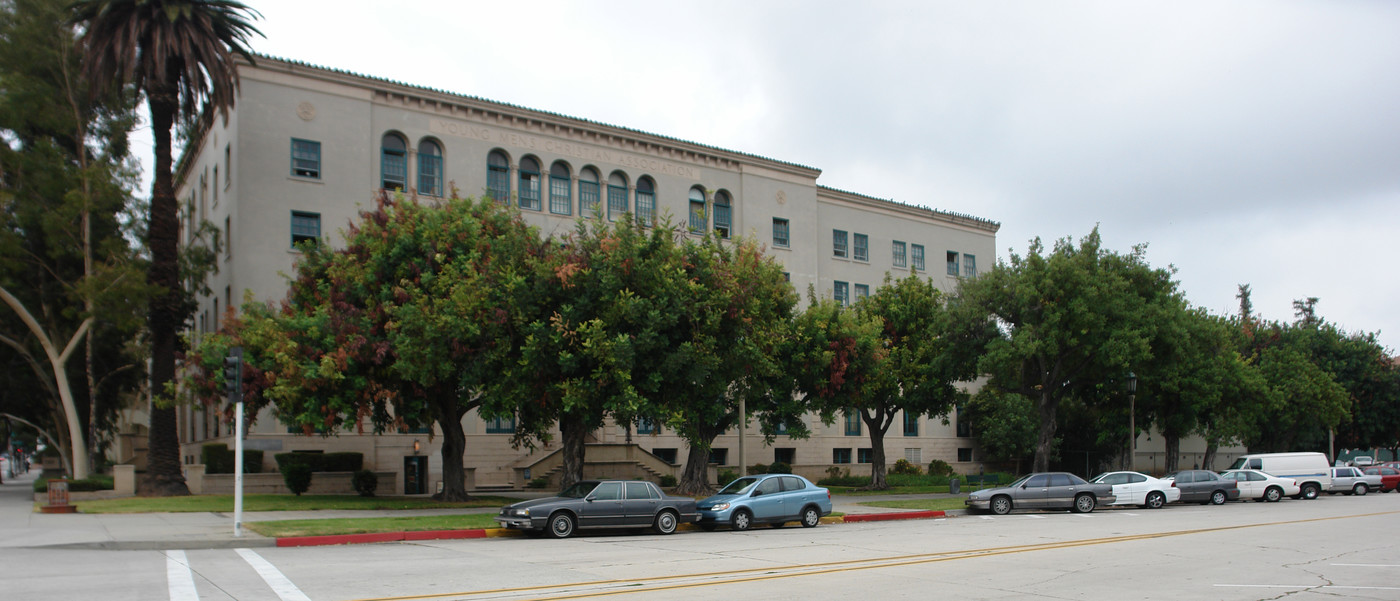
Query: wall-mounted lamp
415	446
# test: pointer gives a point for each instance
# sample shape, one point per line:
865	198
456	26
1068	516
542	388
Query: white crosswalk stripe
179	577
286	591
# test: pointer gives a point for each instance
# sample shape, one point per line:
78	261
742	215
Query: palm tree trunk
163	474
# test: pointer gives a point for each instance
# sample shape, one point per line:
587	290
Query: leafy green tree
735	307
1004	423
67	275
589	331
404	327
1068	319
179	53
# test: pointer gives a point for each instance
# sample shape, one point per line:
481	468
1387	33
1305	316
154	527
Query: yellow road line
811	569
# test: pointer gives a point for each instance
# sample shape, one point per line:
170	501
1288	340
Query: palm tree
180	54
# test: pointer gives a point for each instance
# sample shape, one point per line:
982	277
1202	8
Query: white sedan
1260	486
1132	488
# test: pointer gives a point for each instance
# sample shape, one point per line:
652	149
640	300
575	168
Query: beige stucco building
307	146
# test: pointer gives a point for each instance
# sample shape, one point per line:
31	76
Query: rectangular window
862	291
228	165
840	455
394	166
667	455
501	425
722	220
228	237
916	252
560	201
911	424
529	190
852	422
964	455
953	263
646	208
589	197
969	266
646	426
914	456
306	158
862	247
963	425
899	257
719	456
838	243
216	185
697	215
429	175
841	292
617	201
863	456
788	456
780	233
498	183
306	228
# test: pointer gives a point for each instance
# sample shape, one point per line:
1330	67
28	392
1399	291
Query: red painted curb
443	534
338	539
882	517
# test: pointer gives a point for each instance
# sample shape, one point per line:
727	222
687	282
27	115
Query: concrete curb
421	535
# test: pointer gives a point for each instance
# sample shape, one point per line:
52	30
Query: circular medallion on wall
306	111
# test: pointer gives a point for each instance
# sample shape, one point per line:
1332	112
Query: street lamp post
1132	418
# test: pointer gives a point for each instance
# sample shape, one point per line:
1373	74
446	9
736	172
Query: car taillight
1173	483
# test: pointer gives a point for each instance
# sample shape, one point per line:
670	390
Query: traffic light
233	373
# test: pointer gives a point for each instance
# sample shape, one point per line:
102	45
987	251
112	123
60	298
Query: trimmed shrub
726	476
758	468
939	467
540	482
323	462
365	483
846	480
666	481
903	467
778	467
297	476
218	459
89	484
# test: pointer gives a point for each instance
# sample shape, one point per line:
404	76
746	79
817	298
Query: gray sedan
600	504
1050	490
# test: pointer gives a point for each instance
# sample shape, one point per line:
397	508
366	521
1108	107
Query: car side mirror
588	499
756	493
1023	486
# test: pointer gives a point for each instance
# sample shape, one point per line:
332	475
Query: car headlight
523	513
719	507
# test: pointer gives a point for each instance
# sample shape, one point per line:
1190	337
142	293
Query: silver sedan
1048	490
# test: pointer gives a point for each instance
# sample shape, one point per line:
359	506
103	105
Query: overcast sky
1245	142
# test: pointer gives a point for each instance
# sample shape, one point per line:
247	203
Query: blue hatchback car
774	499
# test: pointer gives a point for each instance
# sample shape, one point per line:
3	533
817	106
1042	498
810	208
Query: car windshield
579	490
739	487
1098	478
1020	481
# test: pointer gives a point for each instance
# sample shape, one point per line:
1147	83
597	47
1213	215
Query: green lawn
281	528
274	503
921	504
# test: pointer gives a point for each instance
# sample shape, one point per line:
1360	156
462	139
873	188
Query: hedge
322	462
90	484
218	459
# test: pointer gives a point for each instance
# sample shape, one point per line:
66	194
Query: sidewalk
23	527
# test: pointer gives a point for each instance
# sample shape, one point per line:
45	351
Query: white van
1309	469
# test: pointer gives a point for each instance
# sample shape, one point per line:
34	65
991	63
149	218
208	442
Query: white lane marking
1131	514
179	577
1035	517
1368	565
1312	586
986	517
1082	515
286	591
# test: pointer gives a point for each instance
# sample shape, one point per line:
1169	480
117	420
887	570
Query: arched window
646	201
697	209
498	176
723	214
617	195
589	195
529	184
561	200
429	168
393	163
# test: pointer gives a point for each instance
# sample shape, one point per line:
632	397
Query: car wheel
561	525
1218	497
1360	489
742	520
1156	500
1084	503
1001	505
665	522
1273	494
1309	492
811	517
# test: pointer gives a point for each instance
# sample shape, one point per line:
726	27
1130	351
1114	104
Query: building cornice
949	217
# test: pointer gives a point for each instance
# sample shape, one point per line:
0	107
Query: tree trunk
163	475
1046	443
1208	462
1173	451
695	480
878	425
454	447
573	432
